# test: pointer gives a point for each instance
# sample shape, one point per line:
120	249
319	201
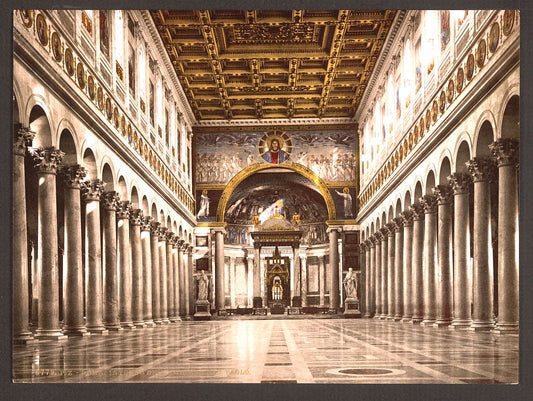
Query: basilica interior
262	196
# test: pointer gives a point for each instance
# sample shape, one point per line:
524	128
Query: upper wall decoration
275	148
329	154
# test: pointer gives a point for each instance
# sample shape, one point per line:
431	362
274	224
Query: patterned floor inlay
275	351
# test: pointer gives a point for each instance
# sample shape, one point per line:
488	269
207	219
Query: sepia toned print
311	196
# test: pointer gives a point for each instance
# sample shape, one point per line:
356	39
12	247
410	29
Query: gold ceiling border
254	168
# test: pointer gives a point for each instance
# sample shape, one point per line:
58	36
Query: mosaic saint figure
345	194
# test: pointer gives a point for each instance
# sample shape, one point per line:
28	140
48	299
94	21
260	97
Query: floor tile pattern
275	351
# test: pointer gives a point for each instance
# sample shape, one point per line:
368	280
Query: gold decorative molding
254	168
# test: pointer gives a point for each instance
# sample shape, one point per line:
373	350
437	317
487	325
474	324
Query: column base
25	338
158	322
460	324
406	319
442	323
77	333
175	319
139	325
382	317
397	318
377	316
149	323
50	335
165	321
428	322
98	331
481	326
187	318
506	328
390	317
113	327
416	320
127	325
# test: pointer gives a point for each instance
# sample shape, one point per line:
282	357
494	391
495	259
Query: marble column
303	265
506	153
111	303
73	317
146	272
46	163
371	262
462	287
481	170
417	257
180	245
250	278
365	261
444	272
92	193
375	285
163	288
429	261
384	273
321	280
390	271
124	262
136	220
189	281
407	276
257	274
297	273
232	281
20	296
171	280
156	289
398	269
334	297
220	293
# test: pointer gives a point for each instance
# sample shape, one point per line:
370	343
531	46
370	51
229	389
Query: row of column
417	266
146	268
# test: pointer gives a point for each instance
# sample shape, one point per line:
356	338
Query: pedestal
202	310
351	308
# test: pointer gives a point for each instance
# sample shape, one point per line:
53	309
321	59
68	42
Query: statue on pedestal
202	307
350	284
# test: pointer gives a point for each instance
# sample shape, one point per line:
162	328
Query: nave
341	351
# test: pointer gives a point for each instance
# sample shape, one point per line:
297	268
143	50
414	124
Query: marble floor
275	351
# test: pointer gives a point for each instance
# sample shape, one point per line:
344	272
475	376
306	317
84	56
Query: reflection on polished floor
272	351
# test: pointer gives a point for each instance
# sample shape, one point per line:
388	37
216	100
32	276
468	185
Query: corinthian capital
418	211
169	236
146	223
111	200
93	190
443	193
73	176
136	217
154	227
480	168
47	160
162	233
460	182
23	140
407	218
124	210
429	203
505	151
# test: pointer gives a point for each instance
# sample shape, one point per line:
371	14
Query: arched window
391	102
142	72
407	73
159	100
430	39
119	37
376	130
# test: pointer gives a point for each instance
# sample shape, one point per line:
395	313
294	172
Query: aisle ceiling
273	64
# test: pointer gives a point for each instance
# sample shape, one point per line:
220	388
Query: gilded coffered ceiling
273	64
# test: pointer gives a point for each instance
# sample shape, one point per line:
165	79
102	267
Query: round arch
36	100
254	168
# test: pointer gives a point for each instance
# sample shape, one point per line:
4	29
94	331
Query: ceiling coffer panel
263	64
